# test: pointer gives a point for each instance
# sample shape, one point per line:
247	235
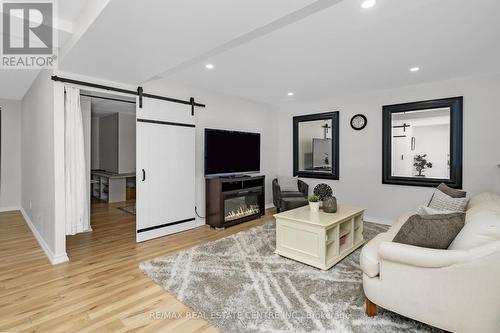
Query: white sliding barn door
165	169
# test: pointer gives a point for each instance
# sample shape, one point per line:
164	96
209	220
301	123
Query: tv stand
234	176
233	200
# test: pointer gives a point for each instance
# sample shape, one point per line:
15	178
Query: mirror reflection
421	143
315	145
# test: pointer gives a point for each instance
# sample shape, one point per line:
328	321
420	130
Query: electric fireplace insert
232	200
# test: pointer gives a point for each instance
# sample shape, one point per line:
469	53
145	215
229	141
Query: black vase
330	204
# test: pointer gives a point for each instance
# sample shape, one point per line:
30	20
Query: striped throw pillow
444	202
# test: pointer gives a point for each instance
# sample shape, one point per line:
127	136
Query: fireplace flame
242	212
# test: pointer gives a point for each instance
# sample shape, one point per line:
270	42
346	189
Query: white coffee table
319	239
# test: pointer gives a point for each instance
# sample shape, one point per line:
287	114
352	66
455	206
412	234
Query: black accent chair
286	200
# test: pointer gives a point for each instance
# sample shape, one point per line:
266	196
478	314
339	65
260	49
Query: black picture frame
456	142
334	117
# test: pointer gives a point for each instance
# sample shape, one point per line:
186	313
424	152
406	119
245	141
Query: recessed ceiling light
290	93
368	4
414	69
209	66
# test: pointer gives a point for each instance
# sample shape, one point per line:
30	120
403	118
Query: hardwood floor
101	289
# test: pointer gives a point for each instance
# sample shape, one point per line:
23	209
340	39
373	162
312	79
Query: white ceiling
132	41
69	10
15	83
345	49
263	49
102	107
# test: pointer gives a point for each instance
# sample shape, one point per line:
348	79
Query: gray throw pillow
431	231
442	201
452	192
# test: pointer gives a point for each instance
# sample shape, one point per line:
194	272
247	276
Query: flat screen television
231	152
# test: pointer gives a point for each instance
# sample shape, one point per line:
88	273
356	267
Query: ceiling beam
291	18
88	15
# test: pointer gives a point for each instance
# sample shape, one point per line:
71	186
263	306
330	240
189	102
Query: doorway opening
109	126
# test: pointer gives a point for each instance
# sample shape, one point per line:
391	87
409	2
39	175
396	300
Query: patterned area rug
128	209
240	285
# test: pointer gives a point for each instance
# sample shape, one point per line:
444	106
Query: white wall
113	143
431	137
126	142
39	165
94	143
307	132
108	143
433	141
361	151
10	186
87	138
230	113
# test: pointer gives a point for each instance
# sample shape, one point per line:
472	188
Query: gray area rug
128	209
240	285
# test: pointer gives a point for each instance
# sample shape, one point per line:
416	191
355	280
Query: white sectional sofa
457	289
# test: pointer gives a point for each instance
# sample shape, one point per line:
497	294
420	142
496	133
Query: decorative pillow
288	184
431	231
424	210
442	201
452	192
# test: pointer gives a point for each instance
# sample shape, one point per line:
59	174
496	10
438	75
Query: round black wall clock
358	122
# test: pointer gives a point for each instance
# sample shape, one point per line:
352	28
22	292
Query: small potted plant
420	164
313	203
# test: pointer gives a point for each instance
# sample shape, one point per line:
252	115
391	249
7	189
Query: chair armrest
276	194
420	256
303	187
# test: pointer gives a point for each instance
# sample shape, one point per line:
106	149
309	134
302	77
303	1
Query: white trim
155	233
54	260
9	209
59	171
379	220
269	206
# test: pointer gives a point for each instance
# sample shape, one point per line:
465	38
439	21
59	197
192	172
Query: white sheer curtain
77	212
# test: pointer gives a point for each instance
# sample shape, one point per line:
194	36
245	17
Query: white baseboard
54	259
9	209
269	205
379	220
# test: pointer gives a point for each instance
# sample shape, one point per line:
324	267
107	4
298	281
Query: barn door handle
143	175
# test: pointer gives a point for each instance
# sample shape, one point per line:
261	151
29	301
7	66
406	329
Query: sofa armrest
420	256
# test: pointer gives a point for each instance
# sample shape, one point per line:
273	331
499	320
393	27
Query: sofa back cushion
482	223
484	201
481	229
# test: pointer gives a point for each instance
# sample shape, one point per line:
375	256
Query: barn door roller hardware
139	92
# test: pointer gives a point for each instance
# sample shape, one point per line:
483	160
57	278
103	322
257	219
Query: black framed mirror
316	145
422	143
